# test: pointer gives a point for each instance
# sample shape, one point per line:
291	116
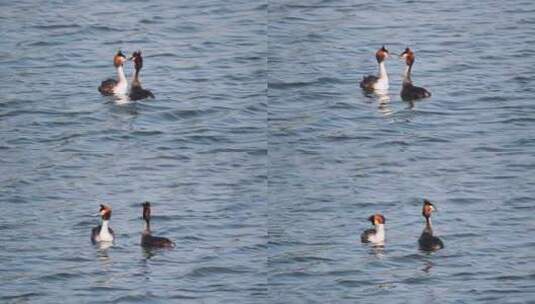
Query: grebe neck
382	70
146	227
407	74
122	84
380	228
135	79
120	74
428	226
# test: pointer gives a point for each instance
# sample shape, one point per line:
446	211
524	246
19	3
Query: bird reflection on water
384	103
427	266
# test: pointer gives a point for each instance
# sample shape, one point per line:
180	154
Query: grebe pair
426	242
120	87
379	83
103	232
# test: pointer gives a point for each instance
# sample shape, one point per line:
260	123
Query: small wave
147	133
149	21
492	98
22	297
184	114
300	84
149	297
61	276
45	43
354	283
102	28
344	137
164	55
302	259
214	270
56	26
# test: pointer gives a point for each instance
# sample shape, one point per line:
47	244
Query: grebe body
375	235
428	241
136	91
373	83
147	239
409	91
103	232
115	87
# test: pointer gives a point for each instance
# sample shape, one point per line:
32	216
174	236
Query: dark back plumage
410	92
367	83
138	93
365	236
106	87
429	242
148	240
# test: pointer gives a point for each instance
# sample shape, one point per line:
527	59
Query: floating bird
136	91
375	235
409	91
103	232
427	241
147	240
111	86
373	83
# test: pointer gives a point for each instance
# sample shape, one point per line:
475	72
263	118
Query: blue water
197	152
337	156
261	156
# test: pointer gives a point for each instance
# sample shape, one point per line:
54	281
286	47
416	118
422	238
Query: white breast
381	84
120	88
105	235
379	236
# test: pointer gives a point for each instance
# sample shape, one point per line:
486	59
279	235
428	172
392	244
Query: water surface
197	152
337	156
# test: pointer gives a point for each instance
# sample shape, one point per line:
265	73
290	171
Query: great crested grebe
375	235
103	232
112	86
409	91
372	83
147	240
136	91
427	241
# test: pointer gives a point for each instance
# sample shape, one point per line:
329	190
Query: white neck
379	236
382	83
122	84
380	228
105	234
382	70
